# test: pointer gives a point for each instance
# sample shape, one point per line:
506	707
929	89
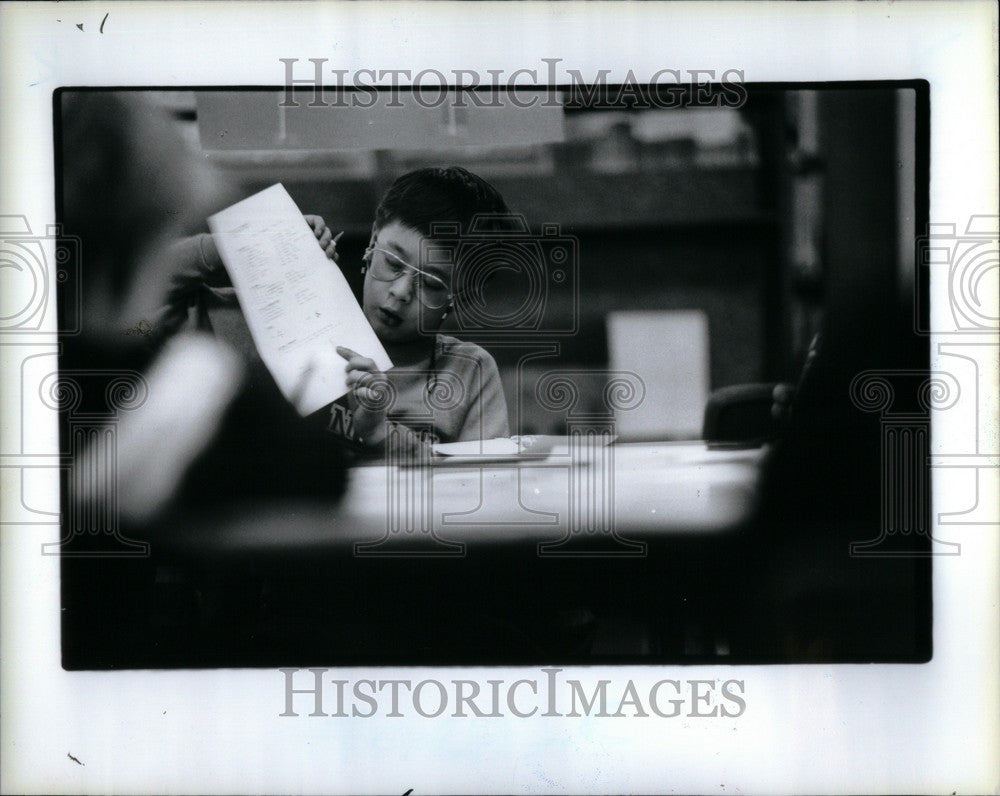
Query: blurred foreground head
129	185
201	436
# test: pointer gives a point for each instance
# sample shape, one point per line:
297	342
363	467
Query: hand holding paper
298	307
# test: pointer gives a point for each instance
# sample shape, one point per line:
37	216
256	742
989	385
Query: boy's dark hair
425	197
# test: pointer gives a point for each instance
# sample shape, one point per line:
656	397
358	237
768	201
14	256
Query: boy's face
394	308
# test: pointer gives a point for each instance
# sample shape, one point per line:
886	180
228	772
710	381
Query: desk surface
623	492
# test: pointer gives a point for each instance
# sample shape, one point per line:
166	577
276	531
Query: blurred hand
327	242
782	397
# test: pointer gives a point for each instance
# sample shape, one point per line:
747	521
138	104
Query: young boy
440	388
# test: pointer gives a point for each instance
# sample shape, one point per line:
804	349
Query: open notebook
505	448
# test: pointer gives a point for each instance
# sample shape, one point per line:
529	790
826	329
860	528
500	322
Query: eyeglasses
431	291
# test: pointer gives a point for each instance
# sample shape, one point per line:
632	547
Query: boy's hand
369	396
327	242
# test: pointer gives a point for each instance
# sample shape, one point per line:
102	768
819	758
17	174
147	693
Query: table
608	502
606	553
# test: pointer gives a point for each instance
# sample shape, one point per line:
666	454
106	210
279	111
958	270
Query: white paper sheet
506	447
503	446
297	303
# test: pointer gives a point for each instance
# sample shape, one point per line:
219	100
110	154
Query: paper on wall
297	303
